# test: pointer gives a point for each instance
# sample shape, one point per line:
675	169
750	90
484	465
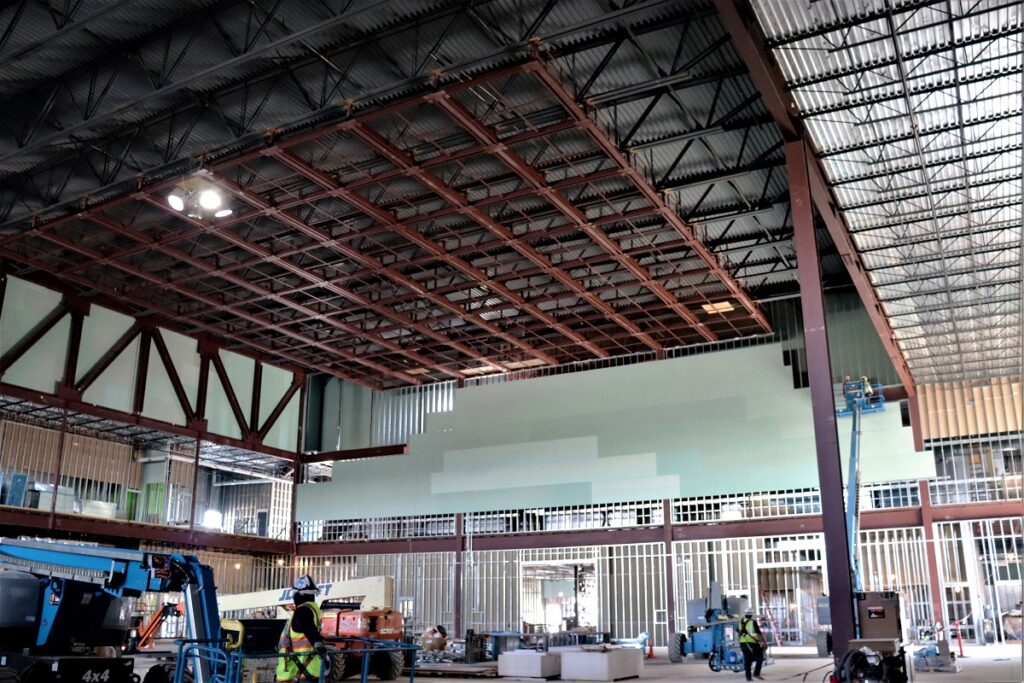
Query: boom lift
876	654
59	602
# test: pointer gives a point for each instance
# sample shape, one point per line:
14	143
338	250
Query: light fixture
238	565
212	519
280	562
327	563
209	199
718	307
198	196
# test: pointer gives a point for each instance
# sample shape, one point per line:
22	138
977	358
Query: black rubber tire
9	675
387	666
675	648
338	664
713	662
159	673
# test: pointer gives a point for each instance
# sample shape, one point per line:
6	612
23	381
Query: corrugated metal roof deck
916	110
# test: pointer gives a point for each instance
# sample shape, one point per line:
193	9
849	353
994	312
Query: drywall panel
240	370
42	366
25	304
115	386
274	385
285	432
219	416
716	423
160	403
100	330
184	353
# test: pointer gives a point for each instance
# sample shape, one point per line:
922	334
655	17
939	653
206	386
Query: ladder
766	615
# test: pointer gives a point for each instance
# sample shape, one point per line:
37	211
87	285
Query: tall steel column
819	372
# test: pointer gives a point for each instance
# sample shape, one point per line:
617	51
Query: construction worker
752	643
302	647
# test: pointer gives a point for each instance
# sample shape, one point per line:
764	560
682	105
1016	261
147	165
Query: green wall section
716	423
25	304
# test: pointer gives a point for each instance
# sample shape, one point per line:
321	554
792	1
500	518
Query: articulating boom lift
59	602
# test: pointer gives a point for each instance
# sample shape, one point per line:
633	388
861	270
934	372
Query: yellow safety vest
296	645
747	634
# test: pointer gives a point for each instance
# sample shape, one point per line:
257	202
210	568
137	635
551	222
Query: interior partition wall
980	572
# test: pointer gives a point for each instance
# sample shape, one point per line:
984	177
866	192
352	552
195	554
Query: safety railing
980	490
733	507
696	510
565	518
378	528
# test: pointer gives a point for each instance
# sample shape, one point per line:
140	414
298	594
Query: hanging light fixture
197	196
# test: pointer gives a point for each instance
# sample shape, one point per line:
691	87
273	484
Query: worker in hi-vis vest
302	647
752	643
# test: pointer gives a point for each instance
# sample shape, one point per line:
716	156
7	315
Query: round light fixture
176	202
223	213
209	199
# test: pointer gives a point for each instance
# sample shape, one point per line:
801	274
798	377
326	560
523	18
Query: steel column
931	554
61	439
819	371
195	484
460	547
739	20
670	574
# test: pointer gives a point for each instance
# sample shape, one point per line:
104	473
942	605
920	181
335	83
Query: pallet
480	670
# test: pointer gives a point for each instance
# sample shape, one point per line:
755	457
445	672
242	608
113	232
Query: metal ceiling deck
444	235
915	108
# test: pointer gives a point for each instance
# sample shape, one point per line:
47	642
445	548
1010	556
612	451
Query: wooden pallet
455	669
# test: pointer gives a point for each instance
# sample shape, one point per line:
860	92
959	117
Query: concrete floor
992	664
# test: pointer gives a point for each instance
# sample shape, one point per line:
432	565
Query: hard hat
305	584
748	612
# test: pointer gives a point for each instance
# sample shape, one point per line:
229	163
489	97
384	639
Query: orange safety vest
294	648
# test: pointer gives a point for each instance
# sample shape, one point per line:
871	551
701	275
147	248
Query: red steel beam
354	454
114	295
539	183
656	200
264	255
279	408
437	251
739	20
200	264
17	520
377	266
139	420
280	259
456	199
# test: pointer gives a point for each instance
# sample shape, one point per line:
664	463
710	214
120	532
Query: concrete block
529	664
612	665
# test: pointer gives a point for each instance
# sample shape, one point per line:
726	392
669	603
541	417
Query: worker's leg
748	659
758	652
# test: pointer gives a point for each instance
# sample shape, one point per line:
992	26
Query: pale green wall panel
42	366
25	304
219	416
114	388
160	402
184	353
725	422
100	329
285	432
274	385
240	372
